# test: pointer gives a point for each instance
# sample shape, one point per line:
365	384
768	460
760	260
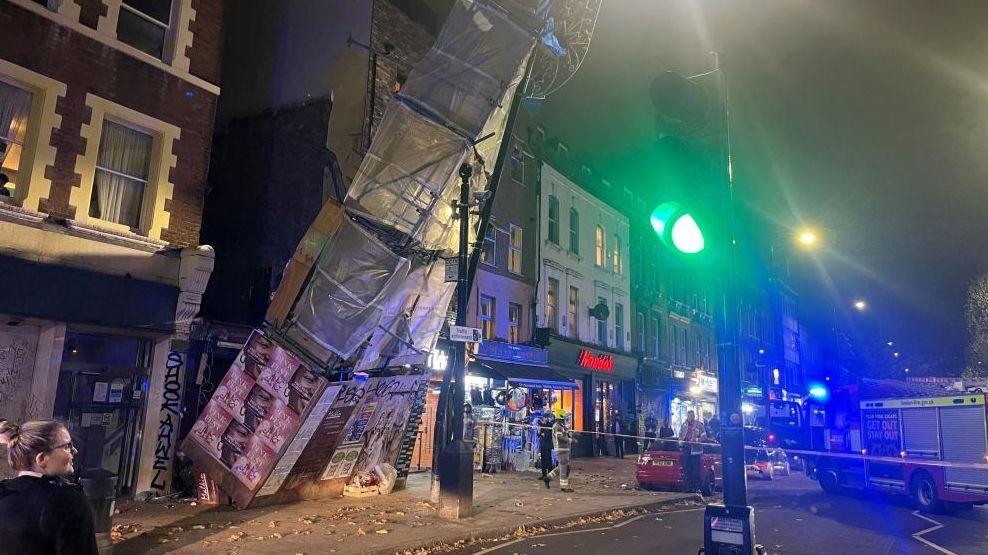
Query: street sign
452	268
463	334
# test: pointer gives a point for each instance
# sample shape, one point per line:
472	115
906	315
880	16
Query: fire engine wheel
829	481
924	493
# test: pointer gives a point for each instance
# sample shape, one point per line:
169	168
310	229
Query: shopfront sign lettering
588	359
170	410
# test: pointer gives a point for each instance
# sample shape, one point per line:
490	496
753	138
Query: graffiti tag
170	417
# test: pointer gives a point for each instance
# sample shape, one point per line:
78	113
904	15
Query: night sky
868	119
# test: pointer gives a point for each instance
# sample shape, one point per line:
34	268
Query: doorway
102	386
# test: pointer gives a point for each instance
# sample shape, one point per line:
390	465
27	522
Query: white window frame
618	265
600	246
619	326
488	322
515	251
168	48
573	312
490	237
36	152
553	222
602	326
517	161
514	324
552	308
574	231
145	181
154	218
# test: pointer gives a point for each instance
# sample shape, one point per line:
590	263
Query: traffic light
692	232
677	228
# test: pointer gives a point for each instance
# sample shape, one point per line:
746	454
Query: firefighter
562	440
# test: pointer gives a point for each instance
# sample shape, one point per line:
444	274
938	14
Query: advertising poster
254	413
392	400
302	438
342	463
210	426
356	430
319	450
257	460
881	432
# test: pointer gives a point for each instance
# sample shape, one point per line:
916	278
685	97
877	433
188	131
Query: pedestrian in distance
545	424
41	511
618	429
650	425
713	427
562	443
665	432
691	434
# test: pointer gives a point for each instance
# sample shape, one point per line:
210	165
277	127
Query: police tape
902	459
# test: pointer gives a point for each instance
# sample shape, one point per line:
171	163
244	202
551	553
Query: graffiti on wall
170	417
17	354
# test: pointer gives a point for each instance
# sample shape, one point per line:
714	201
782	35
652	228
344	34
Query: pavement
507	505
792	515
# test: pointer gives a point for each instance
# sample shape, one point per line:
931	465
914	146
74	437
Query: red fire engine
931	447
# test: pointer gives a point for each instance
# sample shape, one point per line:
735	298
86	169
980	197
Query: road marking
936	526
599	529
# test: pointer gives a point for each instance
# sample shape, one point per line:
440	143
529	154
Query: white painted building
583	245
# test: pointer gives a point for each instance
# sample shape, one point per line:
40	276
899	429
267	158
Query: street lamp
807	238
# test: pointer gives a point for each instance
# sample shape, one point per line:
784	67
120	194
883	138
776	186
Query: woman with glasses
41	511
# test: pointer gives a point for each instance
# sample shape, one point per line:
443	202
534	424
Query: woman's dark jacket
45	515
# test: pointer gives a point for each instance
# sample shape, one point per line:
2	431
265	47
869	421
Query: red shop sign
588	359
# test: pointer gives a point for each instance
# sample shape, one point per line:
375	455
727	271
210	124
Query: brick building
302	100
106	117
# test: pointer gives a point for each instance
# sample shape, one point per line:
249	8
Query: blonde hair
24	442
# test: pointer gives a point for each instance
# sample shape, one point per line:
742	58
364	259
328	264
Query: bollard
100	487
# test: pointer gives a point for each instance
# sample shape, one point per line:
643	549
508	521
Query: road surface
792	515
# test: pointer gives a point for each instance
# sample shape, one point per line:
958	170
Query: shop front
509	388
605	393
691	391
105	354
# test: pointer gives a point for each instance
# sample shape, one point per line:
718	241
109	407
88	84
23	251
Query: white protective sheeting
402	178
414	314
409	179
475	60
342	303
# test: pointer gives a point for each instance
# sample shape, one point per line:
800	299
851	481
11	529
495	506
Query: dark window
144	24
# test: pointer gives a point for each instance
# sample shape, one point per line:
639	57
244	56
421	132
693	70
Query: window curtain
121	175
15	108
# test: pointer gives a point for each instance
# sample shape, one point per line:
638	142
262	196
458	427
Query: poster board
253	416
365	424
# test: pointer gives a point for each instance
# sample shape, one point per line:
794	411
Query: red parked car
663	469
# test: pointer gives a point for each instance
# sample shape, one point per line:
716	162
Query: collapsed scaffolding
332	387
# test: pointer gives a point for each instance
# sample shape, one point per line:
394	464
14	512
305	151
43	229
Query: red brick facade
207	28
86	66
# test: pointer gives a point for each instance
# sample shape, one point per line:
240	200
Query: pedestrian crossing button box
729	530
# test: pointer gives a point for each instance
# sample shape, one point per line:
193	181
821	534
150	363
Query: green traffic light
677	228
686	235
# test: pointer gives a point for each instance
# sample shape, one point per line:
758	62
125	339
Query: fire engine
924	443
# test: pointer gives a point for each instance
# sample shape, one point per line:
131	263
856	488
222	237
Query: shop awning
523	375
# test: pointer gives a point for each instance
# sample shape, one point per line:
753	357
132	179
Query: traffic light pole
729	527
